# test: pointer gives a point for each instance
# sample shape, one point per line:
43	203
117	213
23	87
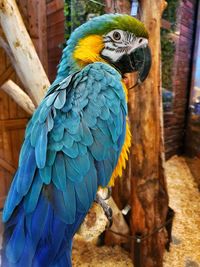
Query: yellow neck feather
88	50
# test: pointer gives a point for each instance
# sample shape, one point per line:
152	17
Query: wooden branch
26	61
95	223
20	97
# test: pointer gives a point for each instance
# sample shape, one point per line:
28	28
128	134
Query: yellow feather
88	50
121	164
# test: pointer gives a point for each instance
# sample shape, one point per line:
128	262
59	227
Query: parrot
76	142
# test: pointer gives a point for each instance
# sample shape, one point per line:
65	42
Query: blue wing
71	147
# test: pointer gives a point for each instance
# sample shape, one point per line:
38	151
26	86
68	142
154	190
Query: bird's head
119	40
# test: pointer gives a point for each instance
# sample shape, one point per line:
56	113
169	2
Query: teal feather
59	173
82	196
72	173
67	140
45	174
60	99
87	138
26	172
41	147
35	133
24	150
72	151
57	133
82	149
31	199
51	155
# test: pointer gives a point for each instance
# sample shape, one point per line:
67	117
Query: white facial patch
118	42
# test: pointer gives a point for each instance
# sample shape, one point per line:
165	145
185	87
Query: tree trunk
149	190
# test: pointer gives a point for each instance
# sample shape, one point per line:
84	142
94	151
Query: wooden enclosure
45	23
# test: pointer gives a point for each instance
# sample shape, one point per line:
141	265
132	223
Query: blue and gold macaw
77	140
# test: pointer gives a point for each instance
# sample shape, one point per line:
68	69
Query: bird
77	141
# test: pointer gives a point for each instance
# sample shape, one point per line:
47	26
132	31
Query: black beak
141	62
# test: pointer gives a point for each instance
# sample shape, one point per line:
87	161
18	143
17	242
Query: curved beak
141	62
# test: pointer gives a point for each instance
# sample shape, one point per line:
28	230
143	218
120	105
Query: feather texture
71	148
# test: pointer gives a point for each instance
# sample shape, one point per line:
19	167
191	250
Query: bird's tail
65	261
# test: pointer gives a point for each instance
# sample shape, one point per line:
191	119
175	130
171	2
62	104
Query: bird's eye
116	36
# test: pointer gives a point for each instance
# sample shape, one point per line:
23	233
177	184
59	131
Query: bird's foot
109	193
106	208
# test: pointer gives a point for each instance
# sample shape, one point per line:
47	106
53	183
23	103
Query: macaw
76	141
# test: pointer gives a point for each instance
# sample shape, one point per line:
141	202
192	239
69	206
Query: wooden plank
56	41
6	125
54	5
4	112
56	29
6	75
56	17
37	25
7	166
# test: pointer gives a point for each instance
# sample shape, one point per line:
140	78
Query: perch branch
26	61
20	97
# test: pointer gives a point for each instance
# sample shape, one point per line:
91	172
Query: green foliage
79	11
168	50
168	45
170	12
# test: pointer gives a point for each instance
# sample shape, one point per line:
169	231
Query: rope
138	238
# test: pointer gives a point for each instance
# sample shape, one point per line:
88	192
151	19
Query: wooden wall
13	119
175	122
55	34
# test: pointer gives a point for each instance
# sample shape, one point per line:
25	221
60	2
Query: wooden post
148	185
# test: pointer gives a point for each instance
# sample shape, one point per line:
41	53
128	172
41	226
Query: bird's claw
109	193
106	208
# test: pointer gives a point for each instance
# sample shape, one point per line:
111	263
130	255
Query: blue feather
12	200
82	149
45	174
59	173
37	218
60	99
51	98
72	151
57	134
72	173
44	111
51	155
31	199
41	147
87	138
35	133
24	151
26	172
50	122
98	150
16	243
81	164
83	203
